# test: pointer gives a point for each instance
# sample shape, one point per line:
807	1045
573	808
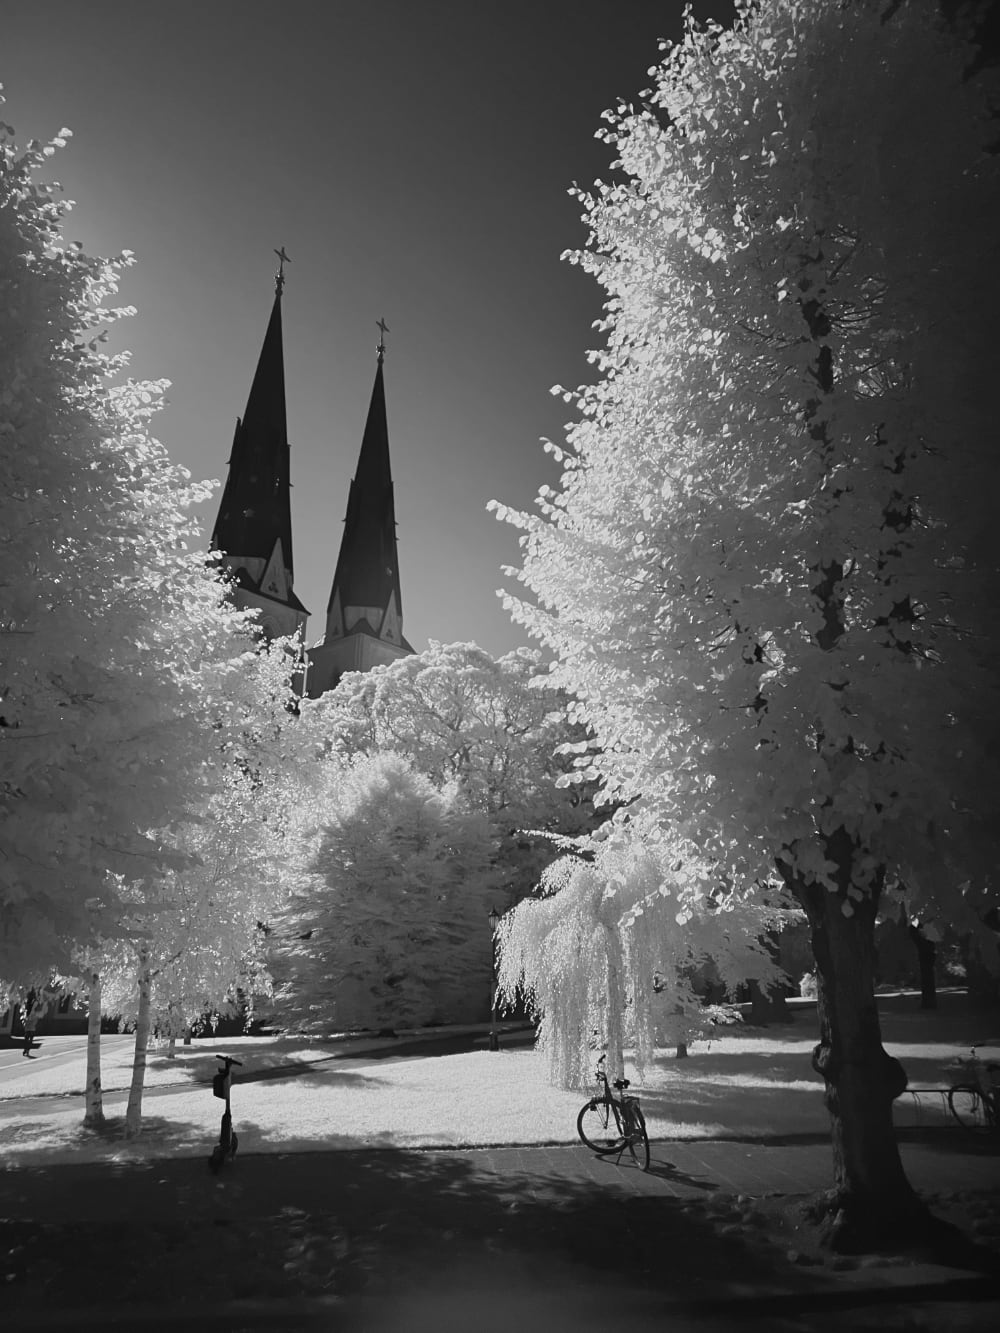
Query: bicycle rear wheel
965	1102
599	1128
638	1140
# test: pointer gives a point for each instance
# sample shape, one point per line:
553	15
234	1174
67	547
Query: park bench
925	1102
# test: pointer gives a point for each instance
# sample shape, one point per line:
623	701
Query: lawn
298	1095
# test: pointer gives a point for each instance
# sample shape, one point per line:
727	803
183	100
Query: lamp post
494	917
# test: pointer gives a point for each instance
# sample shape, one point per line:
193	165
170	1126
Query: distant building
364	617
364	621
254	527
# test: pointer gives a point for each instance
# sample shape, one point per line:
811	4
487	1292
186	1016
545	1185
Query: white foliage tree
192	942
768	573
114	636
609	953
492	725
388	922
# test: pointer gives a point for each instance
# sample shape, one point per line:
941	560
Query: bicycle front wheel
599	1128
965	1102
638	1140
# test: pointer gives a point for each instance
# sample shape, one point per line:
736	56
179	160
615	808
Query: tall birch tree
768	574
193	942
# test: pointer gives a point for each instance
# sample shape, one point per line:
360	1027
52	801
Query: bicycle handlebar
230	1060
620	1083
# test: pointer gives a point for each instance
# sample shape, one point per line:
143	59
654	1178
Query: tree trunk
615	1005
94	1104
133	1114
766	1007
983	985
175	1021
872	1202
926	957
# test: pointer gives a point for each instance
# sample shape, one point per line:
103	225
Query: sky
414	158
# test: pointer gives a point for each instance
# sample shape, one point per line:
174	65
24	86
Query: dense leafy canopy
387	925
494	726
767	574
126	677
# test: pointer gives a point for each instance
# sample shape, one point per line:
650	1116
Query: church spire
364	623
254	526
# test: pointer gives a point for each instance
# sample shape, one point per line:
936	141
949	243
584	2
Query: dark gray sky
413	157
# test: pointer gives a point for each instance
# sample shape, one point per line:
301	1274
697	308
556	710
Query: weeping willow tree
616	942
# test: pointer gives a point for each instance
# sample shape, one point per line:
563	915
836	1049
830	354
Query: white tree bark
133	1114
94	1106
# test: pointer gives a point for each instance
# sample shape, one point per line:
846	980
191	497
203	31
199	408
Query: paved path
484	1240
681	1170
50	1052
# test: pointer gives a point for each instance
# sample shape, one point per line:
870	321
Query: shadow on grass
268	1058
749	1080
110	1133
306	1073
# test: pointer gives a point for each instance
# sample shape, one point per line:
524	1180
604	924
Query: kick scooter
228	1141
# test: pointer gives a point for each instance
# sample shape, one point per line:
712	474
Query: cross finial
383	328
279	277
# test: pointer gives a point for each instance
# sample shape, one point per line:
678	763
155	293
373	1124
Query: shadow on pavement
390	1239
378	1224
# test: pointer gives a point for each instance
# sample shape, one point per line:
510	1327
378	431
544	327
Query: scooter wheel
216	1159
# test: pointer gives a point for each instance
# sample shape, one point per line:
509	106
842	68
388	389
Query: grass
299	1095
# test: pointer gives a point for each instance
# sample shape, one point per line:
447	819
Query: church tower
364	618
254	526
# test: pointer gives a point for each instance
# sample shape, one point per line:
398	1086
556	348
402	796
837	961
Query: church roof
256	507
368	566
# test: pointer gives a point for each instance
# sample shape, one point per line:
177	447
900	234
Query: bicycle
976	1104
228	1141
609	1124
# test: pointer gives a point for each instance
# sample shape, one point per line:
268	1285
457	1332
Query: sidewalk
537	1237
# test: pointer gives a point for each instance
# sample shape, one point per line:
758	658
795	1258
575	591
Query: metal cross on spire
383	328
279	277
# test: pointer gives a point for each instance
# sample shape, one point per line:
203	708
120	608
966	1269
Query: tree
115	637
388	924
609	952
768	575
191	942
492	725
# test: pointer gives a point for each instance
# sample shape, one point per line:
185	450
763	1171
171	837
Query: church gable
274	581
391	628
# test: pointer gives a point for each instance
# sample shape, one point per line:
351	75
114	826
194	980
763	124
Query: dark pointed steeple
254	526
364	622
368	566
